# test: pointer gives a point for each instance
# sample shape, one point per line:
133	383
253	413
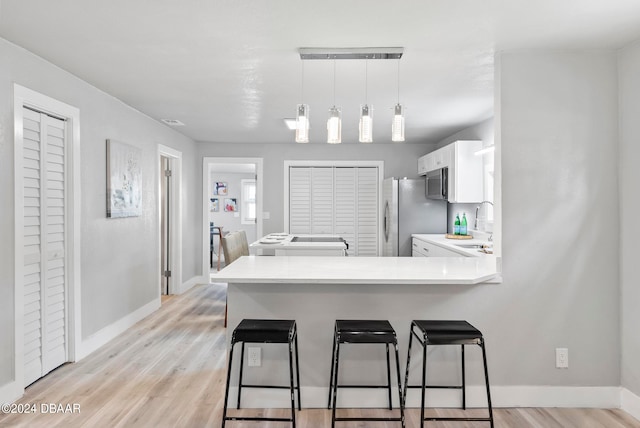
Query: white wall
119	256
558	128
629	176
228	220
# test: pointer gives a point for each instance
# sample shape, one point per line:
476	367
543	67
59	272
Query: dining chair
234	246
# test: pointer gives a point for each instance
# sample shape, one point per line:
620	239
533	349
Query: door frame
206	191
24	97
175	218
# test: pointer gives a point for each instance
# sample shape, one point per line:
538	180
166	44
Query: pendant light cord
334	82
398	80
366	81
302	85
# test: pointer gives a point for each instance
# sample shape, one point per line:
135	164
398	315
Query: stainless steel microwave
437	184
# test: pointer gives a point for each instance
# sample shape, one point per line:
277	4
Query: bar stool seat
264	331
361	332
446	332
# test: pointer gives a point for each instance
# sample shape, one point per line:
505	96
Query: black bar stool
264	331
363	331
446	333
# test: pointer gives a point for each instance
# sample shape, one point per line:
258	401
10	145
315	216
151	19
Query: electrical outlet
254	356
562	358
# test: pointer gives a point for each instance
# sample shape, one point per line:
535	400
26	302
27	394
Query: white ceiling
230	70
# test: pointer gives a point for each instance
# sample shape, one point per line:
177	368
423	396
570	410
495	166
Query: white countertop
359	270
450	244
275	241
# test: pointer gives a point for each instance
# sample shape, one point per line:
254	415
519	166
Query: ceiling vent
172	122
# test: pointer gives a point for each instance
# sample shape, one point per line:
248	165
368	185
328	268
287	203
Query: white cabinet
422	164
437	159
420	248
465	169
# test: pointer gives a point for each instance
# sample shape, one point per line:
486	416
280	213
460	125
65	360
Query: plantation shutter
322	200
45	291
345	207
299	200
336	200
367	212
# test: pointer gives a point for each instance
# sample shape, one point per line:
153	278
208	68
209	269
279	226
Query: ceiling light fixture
397	126
350	53
366	117
302	116
291	123
172	122
334	124
487	149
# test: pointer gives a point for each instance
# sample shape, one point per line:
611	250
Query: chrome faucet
475	223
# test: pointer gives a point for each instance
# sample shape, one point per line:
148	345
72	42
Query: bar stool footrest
369	419
248	418
436	386
364	386
459	419
269	386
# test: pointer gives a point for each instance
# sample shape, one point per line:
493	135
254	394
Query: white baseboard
109	332
10	392
630	403
192	282
501	396
557	396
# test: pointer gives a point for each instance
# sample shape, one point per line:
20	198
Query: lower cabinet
422	248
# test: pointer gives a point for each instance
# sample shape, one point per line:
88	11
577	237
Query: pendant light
366	117
302	116
334	123
397	126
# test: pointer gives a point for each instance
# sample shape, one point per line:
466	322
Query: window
248	206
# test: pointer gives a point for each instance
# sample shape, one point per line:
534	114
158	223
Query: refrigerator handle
444	180
387	221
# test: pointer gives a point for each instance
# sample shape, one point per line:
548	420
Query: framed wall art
124	180
220	188
215	205
230	204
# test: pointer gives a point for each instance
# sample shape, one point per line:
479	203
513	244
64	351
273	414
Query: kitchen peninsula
315	291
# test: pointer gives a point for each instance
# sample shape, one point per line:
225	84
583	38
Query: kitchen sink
469	245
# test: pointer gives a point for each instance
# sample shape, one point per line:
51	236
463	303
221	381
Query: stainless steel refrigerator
407	210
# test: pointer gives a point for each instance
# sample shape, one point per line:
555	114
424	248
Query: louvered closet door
367	211
345	207
45	291
322	200
299	200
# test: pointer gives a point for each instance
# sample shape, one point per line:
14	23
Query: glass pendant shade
302	123
334	126
397	126
366	124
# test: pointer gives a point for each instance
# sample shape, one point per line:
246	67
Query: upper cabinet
464	169
440	158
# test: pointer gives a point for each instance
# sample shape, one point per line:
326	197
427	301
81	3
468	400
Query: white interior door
367	213
322	200
345	207
45	235
336	200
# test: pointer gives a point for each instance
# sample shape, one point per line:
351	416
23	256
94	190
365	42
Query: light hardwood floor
169	371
